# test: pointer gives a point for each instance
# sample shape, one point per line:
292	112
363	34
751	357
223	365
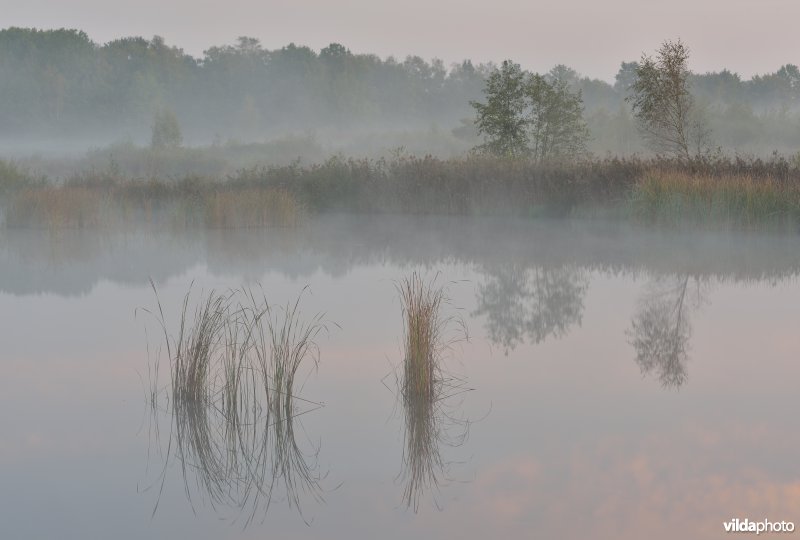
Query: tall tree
555	119
166	130
663	104
531	115
625	77
501	120
527	114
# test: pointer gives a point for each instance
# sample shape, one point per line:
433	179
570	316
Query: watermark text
758	527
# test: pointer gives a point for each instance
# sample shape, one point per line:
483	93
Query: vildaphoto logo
758	527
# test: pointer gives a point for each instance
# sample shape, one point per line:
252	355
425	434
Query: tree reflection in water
531	303
661	328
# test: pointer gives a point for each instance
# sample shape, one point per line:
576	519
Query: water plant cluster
233	396
235	374
426	386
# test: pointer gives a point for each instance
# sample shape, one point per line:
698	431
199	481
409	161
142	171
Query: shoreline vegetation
525	143
716	191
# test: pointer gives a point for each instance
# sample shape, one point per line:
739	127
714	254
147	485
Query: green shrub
12	178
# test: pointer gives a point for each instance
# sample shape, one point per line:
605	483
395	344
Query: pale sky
745	36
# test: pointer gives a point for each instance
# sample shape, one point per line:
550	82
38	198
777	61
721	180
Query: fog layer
59	89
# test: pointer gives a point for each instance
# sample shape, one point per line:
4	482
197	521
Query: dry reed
252	207
57	208
233	398
78	206
425	386
669	196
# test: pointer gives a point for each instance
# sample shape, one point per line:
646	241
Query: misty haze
445	271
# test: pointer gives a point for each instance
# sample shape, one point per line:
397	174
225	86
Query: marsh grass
672	197
430	185
234	364
96	203
252	207
58	208
426	385
423	335
747	192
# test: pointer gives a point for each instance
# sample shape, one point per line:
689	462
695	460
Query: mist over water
398	271
62	94
569	399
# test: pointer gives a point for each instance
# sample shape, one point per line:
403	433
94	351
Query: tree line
60	84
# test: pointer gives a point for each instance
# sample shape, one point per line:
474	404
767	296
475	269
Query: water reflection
610	456
73	262
533	303
428	391
76	261
239	459
430	424
231	403
661	327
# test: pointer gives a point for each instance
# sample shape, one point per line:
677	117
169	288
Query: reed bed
668	196
470	184
58	208
233	399
425	386
748	192
87	205
252	207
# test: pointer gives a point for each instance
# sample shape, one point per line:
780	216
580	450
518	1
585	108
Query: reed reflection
232	404
427	391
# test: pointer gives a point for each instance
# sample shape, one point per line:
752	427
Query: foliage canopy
663	104
531	115
166	130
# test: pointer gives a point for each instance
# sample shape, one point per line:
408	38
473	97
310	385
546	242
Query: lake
614	382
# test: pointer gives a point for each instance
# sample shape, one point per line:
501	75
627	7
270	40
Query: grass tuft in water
233	398
425	385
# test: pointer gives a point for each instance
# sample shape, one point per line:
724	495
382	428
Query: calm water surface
625	383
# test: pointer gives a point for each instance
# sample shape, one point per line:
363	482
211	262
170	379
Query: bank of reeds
190	203
232	399
59	208
429	185
738	191
252	207
677	196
